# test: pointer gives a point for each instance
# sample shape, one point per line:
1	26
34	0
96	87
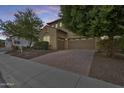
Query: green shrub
108	46
121	44
44	45
2	43
105	45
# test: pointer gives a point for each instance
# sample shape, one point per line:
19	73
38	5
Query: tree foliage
25	25
94	20
76	18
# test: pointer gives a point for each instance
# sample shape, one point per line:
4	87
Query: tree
26	25
76	18
10	28
95	21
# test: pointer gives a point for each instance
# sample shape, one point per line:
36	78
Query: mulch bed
30	53
108	69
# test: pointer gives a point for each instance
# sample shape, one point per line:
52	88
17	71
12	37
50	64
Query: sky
46	13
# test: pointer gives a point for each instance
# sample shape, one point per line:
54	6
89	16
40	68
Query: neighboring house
8	43
15	41
61	38
20	42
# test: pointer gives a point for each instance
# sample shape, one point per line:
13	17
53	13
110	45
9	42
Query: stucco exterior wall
61	37
53	38
51	32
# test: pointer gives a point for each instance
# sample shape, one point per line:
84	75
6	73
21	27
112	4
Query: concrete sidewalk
23	73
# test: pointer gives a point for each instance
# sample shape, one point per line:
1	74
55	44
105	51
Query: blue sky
46	13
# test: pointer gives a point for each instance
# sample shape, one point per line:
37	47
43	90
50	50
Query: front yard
29	53
108	69
102	67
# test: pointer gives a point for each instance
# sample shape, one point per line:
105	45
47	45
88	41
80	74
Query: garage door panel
81	44
61	43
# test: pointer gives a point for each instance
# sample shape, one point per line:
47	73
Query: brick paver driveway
78	61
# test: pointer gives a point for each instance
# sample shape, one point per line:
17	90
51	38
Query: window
46	38
52	25
60	24
56	25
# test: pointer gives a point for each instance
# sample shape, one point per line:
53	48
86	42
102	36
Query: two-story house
61	38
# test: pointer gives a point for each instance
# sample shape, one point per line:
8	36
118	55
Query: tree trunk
30	44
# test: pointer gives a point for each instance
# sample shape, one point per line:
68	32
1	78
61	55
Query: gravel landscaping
108	69
30	53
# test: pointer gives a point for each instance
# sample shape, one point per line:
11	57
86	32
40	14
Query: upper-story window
60	24
46	38
56	26
52	25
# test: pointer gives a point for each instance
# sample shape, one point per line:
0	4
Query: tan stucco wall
61	37
51	32
70	33
53	38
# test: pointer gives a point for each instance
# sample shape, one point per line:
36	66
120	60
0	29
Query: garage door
81	44
61	43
